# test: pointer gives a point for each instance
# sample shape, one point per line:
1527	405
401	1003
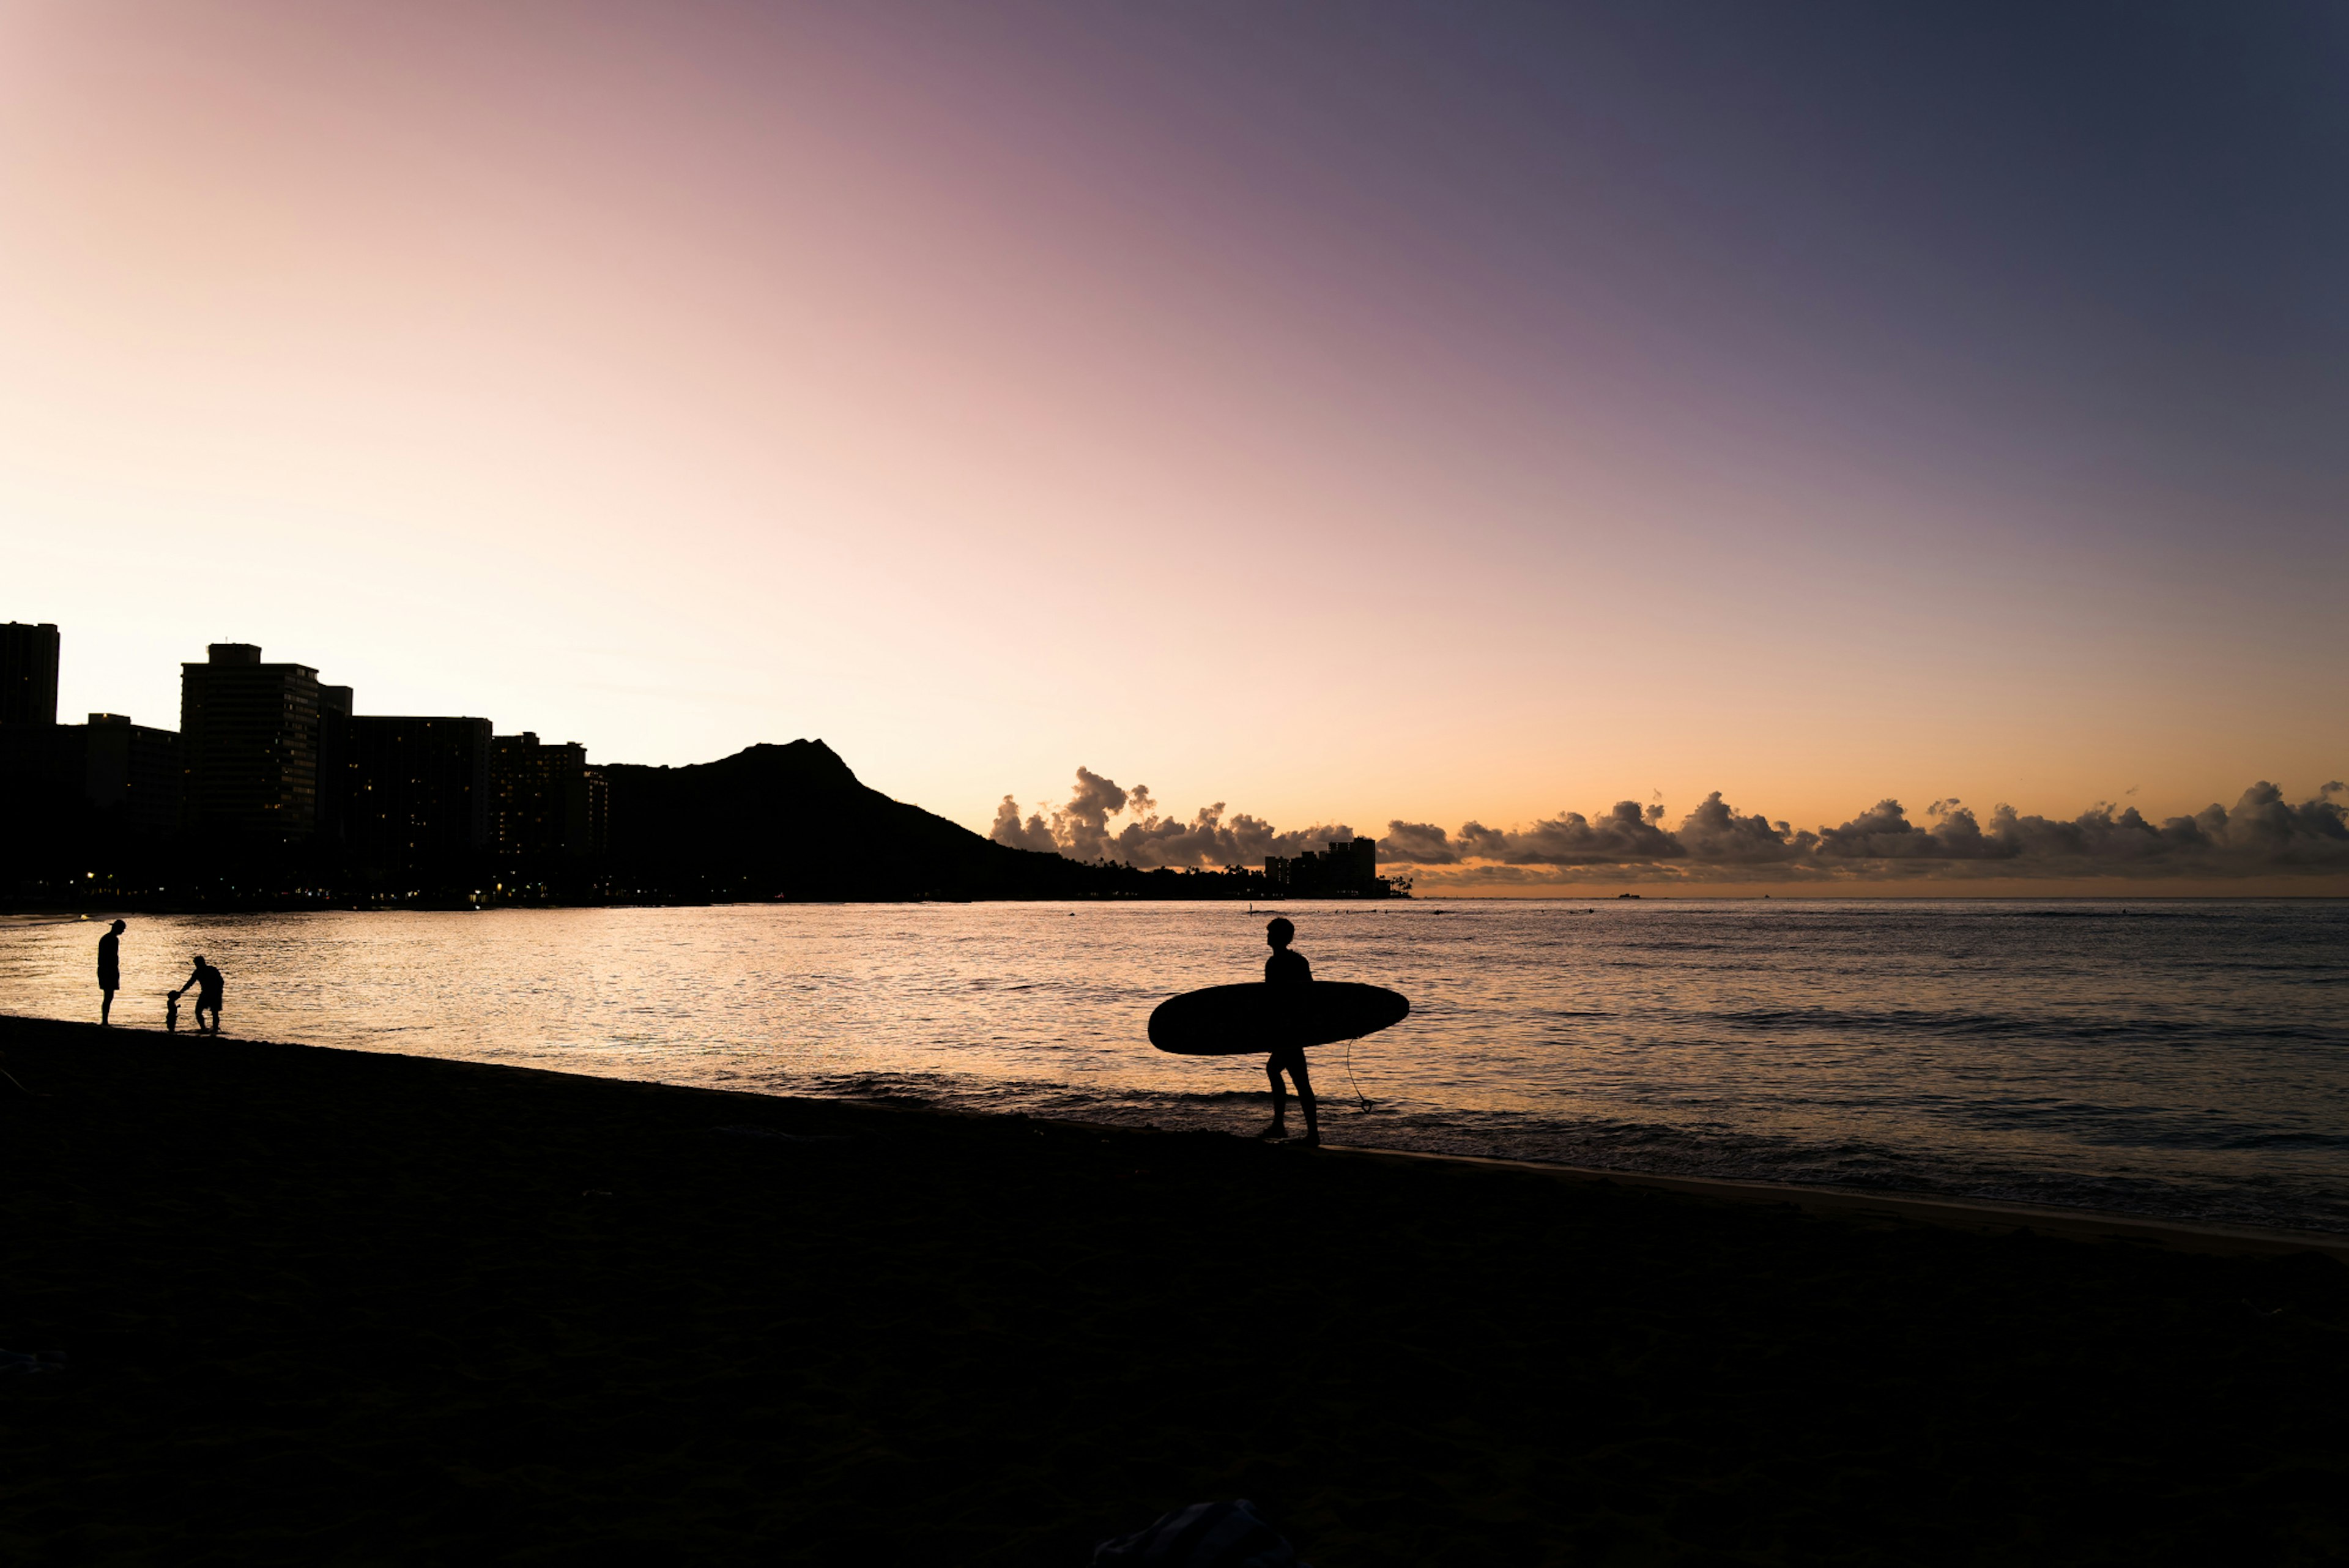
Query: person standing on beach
109	972
1287	970
206	983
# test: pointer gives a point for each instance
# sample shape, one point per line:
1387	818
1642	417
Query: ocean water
2181	1060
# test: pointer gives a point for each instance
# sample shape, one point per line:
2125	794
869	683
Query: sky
1433	415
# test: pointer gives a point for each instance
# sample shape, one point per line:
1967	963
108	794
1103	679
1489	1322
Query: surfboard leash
1350	1074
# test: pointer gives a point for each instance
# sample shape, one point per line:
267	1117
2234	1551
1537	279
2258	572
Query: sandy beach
318	1305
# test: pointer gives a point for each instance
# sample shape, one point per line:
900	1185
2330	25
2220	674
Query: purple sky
1348	414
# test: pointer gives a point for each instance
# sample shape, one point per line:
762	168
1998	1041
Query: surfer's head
119	928
1280	933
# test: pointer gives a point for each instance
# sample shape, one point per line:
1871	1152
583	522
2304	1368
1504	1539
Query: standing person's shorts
109	981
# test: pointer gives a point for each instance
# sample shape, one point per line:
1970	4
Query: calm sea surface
2184	1059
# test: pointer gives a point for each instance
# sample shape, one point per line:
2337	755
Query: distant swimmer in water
205	981
1286	969
109	972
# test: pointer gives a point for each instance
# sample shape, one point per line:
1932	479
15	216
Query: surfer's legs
1279	1127
1292	1063
1305	1099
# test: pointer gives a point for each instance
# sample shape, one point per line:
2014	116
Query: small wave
2034	1027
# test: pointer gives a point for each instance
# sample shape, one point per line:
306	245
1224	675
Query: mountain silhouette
792	820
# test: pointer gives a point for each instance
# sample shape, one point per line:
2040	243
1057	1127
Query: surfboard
1250	1019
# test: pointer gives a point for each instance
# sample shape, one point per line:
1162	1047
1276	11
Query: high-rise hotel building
546	801
29	674
410	793
249	745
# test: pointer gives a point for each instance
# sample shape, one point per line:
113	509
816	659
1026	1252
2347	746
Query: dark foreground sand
329	1307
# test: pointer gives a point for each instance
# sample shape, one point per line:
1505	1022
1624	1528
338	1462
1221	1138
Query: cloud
1715	835
1033	833
1419	844
2263	834
1628	832
1081	830
1884	832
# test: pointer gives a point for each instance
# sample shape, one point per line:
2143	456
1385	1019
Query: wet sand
324	1306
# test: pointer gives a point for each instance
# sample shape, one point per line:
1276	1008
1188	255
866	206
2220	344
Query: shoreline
1980	1215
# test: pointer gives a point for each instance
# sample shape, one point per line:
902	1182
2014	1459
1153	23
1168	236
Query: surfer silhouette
1286	970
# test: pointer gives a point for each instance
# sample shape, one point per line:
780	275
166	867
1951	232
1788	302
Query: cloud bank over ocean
2262	835
1081	830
